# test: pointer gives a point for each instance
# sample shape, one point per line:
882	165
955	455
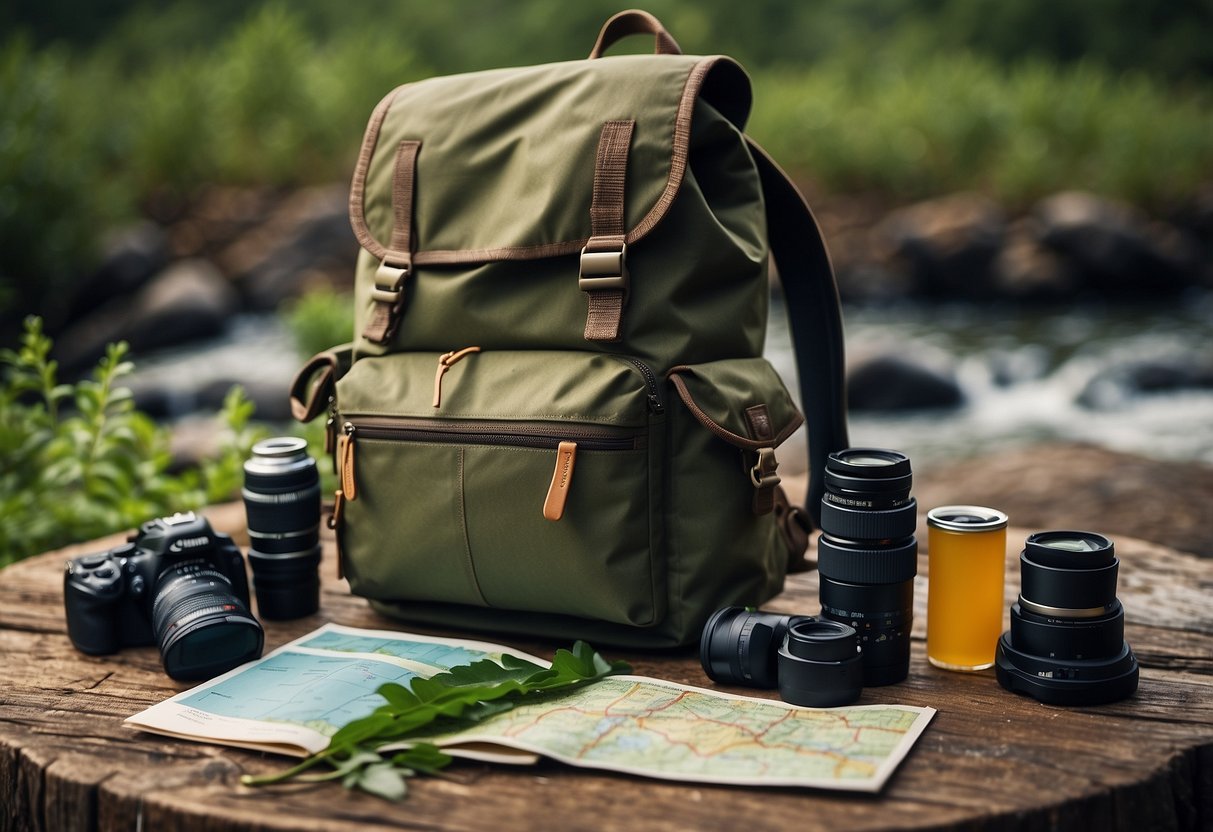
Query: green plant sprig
460	697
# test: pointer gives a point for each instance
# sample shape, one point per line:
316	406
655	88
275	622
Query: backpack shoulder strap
811	296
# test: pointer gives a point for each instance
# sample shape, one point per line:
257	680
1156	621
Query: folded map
292	700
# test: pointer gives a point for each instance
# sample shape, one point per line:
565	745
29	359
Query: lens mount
820	664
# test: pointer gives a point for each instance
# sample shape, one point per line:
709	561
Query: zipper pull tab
562	478
345	462
444	363
335	523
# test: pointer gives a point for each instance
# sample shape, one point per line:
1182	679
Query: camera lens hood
820	664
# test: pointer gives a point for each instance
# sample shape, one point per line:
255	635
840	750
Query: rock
889	382
1066	486
1113	248
187	301
947	245
305	242
1117	385
132	256
1026	270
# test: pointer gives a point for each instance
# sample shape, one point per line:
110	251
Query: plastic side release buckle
389	283
603	270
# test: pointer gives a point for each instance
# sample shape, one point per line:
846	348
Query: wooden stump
989	760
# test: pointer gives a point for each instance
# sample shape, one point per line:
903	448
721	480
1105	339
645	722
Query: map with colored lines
292	700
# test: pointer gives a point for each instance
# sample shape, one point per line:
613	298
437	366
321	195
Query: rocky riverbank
215	274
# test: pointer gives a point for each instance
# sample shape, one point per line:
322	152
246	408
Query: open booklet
292	700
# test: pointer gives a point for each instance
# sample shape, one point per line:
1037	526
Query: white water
1044	360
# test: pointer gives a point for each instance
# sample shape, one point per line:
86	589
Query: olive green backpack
555	418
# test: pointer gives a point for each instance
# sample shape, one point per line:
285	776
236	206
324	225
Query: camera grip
91	592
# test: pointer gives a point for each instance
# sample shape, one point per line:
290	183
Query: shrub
80	461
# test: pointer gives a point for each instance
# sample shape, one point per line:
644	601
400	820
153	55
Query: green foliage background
111	109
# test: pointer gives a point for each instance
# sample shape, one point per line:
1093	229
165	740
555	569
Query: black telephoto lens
739	644
202	627
1066	643
282	501
867	556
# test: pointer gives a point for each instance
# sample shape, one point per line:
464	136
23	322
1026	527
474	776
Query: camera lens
820	664
203	629
738	646
867	555
282	501
1066	643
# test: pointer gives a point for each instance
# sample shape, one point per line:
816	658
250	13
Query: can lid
966	518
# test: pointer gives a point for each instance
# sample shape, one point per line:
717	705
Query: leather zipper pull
444	363
345	464
335	524
562	478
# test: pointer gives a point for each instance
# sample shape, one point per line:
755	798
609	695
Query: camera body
173	578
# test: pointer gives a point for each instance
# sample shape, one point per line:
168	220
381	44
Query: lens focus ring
869	524
857	564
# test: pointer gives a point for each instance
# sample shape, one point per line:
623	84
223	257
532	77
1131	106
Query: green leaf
446	702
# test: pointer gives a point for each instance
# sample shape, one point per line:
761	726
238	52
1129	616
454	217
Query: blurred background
1018	196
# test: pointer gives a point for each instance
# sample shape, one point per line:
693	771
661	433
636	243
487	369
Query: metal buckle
389	283
763	473
603	270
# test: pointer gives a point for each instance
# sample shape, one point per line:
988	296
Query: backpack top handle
635	22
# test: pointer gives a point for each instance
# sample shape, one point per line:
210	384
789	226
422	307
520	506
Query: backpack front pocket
537	496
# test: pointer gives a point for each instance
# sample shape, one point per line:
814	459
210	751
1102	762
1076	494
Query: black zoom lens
867	556
1066	643
282	502
813	662
202	628
738	646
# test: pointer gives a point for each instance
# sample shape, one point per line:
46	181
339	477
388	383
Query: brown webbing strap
388	292
603	269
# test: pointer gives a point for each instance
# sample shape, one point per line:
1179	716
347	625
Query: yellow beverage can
966	555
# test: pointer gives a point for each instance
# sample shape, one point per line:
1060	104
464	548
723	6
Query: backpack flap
550	178
743	402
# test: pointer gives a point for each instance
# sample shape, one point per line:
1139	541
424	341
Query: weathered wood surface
989	760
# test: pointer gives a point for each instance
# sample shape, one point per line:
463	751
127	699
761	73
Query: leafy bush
321	319
80	461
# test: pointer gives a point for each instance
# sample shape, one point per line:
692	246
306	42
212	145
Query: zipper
513	434
650	382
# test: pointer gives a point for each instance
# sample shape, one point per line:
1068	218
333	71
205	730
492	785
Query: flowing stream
1021	372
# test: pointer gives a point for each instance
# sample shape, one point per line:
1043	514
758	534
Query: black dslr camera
176	584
